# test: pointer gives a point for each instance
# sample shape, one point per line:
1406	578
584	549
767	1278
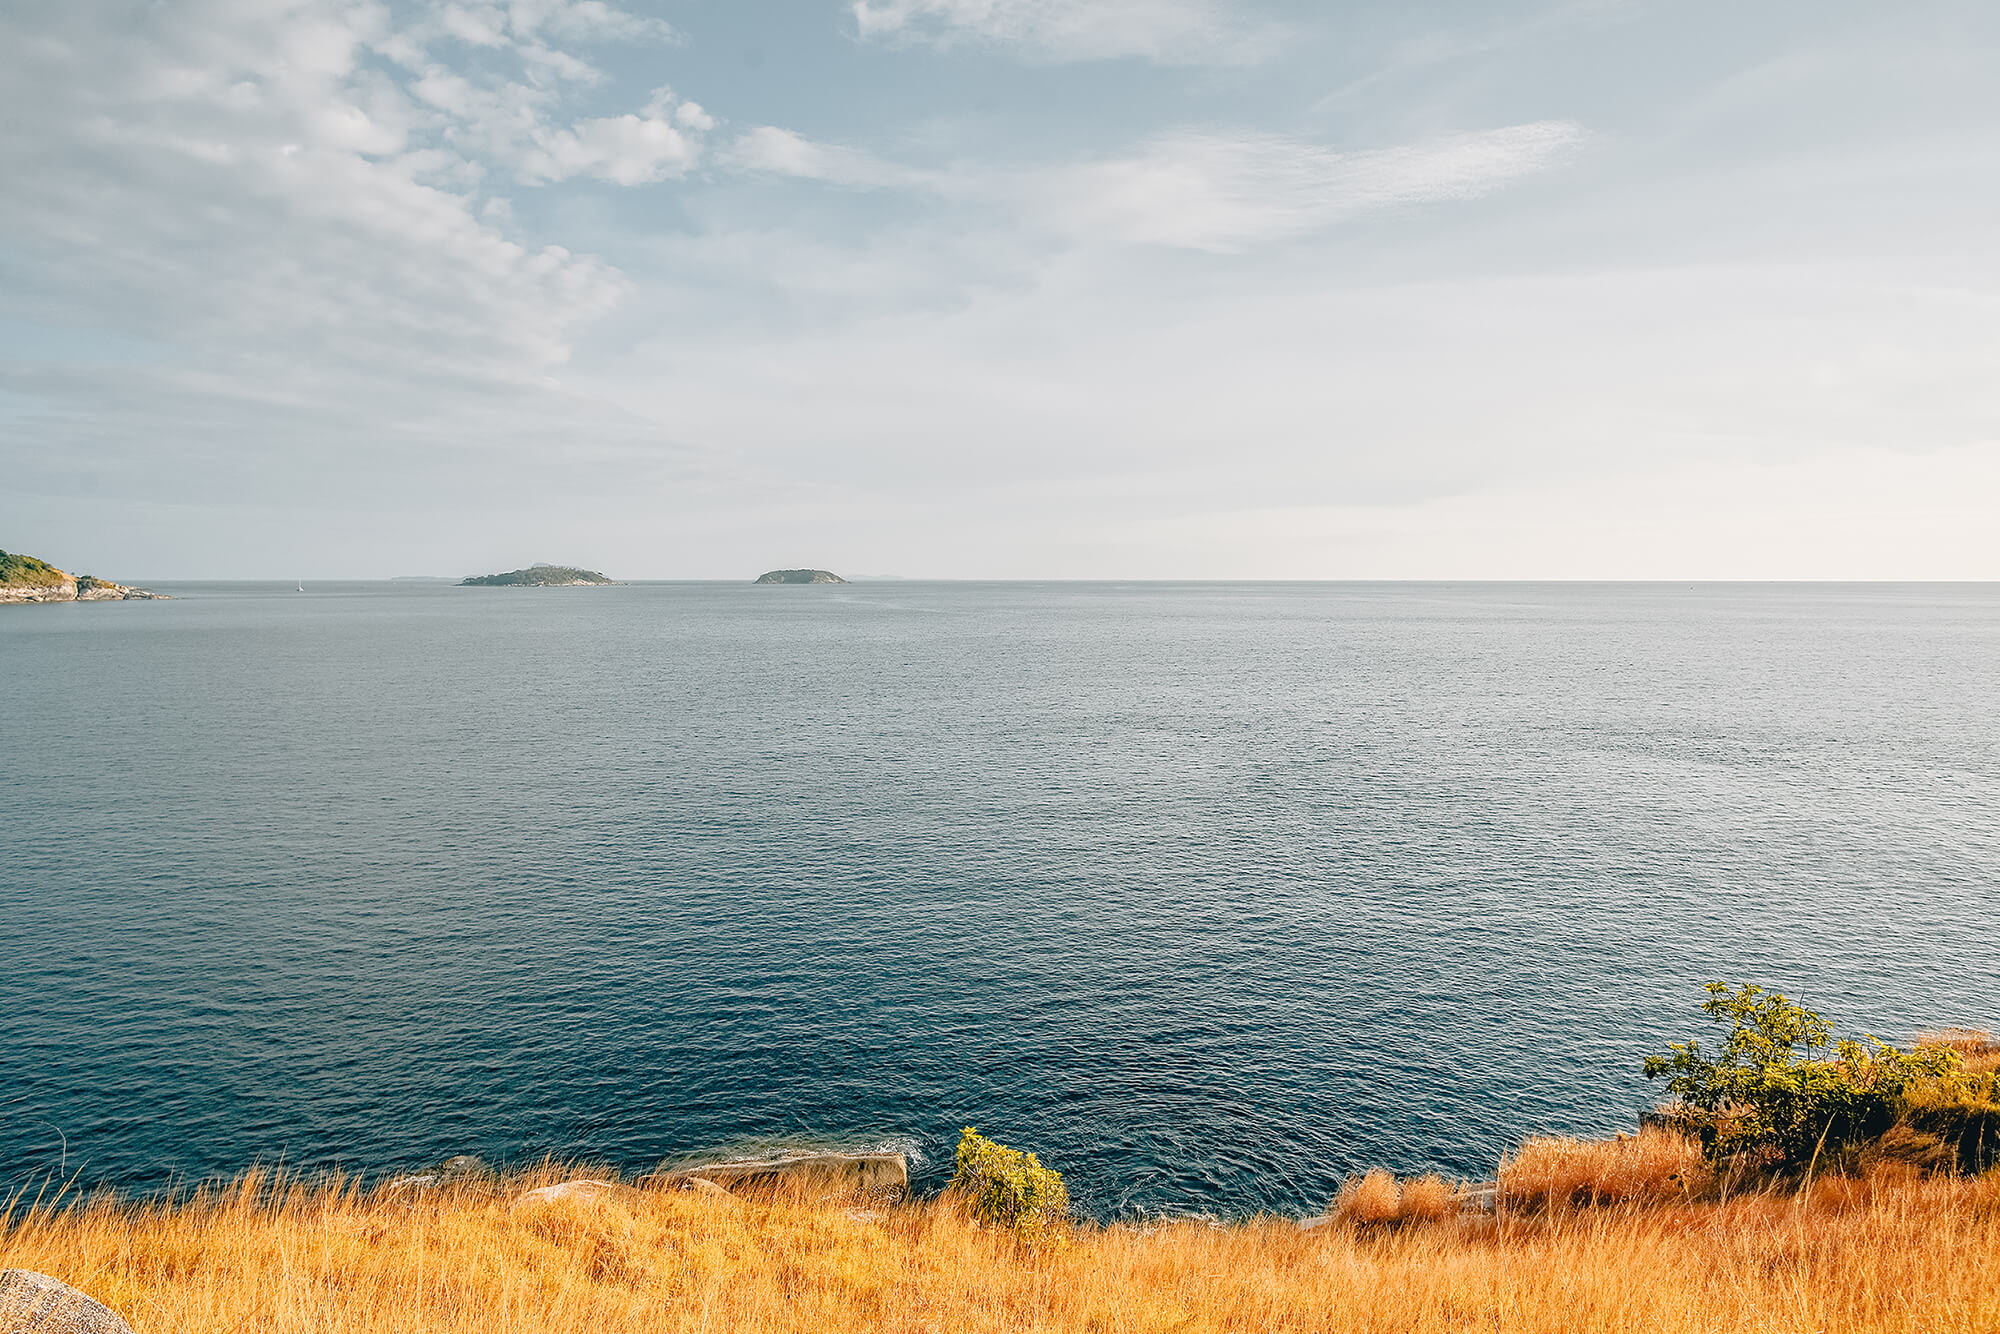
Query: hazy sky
1007	288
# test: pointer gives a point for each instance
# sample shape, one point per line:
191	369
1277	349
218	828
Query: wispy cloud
1230	192
782	152
1169	32
1192	190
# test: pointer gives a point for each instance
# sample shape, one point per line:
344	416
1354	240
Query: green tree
1782	1089
1006	1188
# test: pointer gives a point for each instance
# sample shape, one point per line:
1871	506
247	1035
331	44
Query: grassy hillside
27	572
1891	1252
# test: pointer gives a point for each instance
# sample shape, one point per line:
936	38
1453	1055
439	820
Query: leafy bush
1782	1092
1004	1187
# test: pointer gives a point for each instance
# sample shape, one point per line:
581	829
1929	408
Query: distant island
538	576
27	579
800	577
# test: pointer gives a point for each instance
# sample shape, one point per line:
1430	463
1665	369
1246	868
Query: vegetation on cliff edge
28	572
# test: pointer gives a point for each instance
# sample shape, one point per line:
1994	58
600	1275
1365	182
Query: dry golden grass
1369	1199
1428	1199
1654	1166
1893	1253
1375	1198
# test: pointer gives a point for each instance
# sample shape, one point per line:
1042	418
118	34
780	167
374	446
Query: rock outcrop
800	577
882	1175
32	1303
567	1190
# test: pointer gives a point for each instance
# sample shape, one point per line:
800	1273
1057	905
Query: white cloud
1174	32
1228	192
626	150
586	21
1192	191
282	214
781	152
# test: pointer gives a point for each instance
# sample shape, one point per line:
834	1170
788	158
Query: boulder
703	1186
876	1174
32	1303
566	1190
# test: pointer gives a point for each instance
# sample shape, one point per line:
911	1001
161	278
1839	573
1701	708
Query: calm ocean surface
1207	893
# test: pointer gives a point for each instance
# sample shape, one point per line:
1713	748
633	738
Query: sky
1178	289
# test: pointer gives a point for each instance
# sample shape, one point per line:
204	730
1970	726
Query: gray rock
458	1170
32	1303
703	1186
567	1190
461	1167
885	1175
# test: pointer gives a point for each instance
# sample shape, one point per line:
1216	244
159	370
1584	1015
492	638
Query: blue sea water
1207	893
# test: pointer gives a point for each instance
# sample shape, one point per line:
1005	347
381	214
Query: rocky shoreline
78	588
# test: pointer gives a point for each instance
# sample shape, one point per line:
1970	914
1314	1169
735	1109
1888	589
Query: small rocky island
538	576
800	577
27	579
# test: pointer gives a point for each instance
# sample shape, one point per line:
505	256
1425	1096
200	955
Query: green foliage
26	571
1782	1090
1007	1188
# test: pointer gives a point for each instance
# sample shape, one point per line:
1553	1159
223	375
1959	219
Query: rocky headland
28	579
800	577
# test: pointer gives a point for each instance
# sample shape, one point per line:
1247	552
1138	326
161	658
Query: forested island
539	576
800	577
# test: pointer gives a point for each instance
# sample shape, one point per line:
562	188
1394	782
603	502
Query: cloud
1226	193
625	150
586	21
1192	191
1168	32
283	219
781	152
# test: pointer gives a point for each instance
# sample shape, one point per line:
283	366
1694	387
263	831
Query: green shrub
1004	1187
1782	1091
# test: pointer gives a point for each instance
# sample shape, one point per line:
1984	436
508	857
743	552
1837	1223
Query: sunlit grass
1891	1252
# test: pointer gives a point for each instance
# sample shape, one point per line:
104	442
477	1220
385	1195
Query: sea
1208	894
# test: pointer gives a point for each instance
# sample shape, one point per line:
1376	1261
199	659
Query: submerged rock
32	1303
878	1174
457	1170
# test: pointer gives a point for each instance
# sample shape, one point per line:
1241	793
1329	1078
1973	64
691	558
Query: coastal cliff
28	579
